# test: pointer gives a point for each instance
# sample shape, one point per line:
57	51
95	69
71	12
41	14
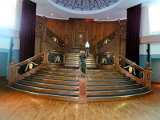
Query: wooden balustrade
26	68
144	75
139	74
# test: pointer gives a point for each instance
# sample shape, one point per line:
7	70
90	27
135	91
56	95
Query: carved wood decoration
75	32
115	42
80	34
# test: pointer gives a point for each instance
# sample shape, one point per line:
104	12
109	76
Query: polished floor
19	106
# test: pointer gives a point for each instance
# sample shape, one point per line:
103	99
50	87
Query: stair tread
121	95
48	83
128	89
30	86
62	95
89	86
102	96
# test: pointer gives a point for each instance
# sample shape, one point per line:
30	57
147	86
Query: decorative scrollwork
30	66
107	59
131	69
55	58
86	5
106	42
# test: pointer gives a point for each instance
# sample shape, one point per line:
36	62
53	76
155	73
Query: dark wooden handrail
14	68
121	29
29	59
131	63
48	31
110	36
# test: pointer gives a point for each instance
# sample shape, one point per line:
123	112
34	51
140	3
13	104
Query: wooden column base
82	90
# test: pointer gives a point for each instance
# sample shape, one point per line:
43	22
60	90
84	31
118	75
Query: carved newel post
147	76
13	71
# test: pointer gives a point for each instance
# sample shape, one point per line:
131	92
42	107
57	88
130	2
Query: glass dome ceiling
84	5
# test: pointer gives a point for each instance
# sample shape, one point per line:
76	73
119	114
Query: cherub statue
104	61
83	66
30	66
106	42
131	69
57	59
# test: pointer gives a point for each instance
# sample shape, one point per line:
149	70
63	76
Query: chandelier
85	5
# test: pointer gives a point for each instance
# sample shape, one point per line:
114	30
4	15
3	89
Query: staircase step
77	74
113	87
115	92
49	96
72	60
72	72
77	58
75	65
47	90
48	78
68	82
76	69
117	97
49	85
110	82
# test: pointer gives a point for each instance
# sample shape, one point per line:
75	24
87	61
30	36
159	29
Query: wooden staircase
62	81
72	60
62	84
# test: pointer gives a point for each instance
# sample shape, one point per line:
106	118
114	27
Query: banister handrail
31	65
29	59
34	57
110	35
131	63
55	35
108	41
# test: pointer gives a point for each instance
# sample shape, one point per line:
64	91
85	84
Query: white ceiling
45	8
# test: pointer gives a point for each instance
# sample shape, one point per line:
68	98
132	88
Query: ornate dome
84	5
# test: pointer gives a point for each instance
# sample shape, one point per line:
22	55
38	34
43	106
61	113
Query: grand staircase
62	84
57	76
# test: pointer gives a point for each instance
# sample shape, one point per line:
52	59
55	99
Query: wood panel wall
67	27
93	29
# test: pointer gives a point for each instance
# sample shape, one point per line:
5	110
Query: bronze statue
83	66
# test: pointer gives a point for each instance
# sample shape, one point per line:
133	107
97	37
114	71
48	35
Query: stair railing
55	39
135	72
114	35
94	47
31	65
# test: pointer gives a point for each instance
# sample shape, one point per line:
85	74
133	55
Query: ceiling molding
119	11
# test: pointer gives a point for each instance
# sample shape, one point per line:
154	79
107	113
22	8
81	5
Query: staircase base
77	100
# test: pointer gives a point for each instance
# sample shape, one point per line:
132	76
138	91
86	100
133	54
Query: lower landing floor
19	106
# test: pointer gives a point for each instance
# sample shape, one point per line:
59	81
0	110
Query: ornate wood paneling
70	30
